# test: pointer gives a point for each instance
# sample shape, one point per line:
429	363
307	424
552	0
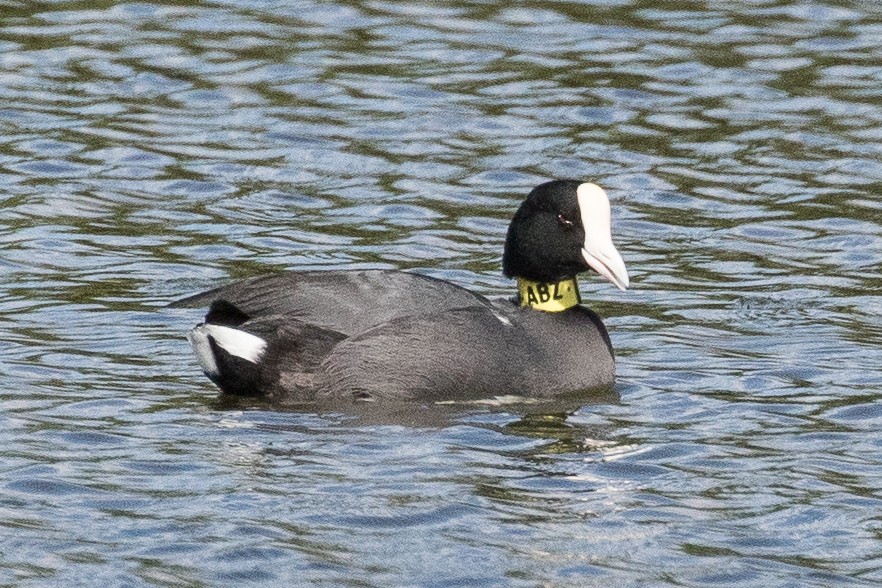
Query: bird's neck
549	296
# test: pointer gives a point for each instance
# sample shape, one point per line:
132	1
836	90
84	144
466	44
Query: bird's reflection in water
547	419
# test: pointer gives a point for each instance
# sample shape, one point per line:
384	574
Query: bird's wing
347	302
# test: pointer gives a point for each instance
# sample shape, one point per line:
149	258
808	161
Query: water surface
149	150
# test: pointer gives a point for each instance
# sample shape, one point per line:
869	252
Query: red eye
564	221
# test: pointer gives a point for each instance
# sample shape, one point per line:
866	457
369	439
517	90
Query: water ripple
151	150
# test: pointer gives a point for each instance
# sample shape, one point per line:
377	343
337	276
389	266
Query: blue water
152	150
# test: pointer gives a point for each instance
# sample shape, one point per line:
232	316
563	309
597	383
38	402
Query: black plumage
392	335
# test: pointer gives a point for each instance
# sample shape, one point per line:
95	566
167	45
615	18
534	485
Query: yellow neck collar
553	297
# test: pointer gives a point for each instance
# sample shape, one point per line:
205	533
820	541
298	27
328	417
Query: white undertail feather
198	338
235	342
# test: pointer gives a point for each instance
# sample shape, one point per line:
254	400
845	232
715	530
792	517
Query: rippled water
151	150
